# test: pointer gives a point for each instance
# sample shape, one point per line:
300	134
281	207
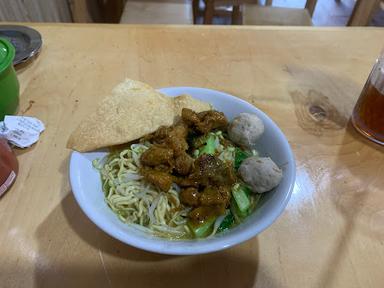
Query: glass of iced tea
368	114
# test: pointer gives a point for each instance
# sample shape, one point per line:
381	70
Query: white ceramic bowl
86	186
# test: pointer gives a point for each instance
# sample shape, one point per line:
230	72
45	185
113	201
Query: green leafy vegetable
202	230
210	146
227	222
240	156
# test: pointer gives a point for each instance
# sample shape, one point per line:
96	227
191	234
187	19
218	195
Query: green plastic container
9	85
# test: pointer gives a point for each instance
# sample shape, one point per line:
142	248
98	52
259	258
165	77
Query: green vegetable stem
202	230
241	196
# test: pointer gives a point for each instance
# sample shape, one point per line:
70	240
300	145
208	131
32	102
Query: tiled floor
331	12
327	12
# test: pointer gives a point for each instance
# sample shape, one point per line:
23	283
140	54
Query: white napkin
21	131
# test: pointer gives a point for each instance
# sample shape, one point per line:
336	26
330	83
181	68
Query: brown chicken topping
205	121
190	196
206	181
160	179
183	164
156	156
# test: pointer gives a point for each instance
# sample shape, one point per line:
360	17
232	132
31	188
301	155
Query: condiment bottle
9	166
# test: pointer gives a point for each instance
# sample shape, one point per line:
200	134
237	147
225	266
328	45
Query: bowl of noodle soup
85	169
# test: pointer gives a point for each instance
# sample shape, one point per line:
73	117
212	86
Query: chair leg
310	6
236	15
195	10
209	11
362	12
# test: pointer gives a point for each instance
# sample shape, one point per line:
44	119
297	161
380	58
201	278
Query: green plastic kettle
9	85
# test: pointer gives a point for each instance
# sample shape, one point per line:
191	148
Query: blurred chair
156	12
214	8
363	12
255	14
91	11
268	15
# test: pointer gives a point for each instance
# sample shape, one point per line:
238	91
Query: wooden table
306	79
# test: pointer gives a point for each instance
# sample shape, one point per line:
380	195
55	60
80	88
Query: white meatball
245	129
261	173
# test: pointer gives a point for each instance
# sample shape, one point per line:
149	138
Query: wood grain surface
306	79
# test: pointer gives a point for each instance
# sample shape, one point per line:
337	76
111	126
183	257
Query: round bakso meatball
261	173
245	129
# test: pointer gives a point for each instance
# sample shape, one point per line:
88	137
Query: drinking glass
368	114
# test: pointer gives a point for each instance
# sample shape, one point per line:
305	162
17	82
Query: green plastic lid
7	53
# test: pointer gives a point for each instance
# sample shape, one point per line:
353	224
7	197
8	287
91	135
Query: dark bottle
9	166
